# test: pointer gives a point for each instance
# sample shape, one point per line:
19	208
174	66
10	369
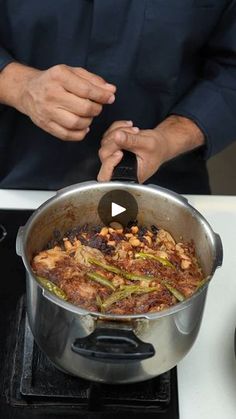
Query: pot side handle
219	250
19	237
113	345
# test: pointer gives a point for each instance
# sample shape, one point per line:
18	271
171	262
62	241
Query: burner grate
40	379
36	382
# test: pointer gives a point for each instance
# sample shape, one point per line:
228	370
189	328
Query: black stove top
32	387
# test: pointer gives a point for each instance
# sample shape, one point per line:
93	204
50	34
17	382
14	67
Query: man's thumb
128	141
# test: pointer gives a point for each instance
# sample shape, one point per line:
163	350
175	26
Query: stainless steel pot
113	348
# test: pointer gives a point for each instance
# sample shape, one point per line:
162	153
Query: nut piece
111	243
67	244
116	226
185	263
129	235
134	229
149	240
104	231
134	242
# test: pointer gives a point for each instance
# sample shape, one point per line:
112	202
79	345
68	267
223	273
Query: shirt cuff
5	58
212	110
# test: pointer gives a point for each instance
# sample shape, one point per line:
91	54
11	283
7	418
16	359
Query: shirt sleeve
211	102
5	58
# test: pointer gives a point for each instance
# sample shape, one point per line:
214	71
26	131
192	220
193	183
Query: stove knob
3	232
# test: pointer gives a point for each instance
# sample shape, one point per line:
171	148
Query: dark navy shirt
164	56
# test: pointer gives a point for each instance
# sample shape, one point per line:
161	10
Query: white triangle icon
116	209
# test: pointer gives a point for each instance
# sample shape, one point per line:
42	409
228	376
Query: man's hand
61	100
153	147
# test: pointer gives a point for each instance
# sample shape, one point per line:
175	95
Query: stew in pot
118	270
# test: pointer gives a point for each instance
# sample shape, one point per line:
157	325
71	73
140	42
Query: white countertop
207	375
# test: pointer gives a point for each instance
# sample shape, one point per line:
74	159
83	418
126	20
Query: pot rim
23	232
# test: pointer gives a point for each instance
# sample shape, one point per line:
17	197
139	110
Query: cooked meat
121	271
47	260
84	253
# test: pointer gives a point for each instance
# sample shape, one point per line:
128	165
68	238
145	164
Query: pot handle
219	250
127	168
235	343
19	237
114	345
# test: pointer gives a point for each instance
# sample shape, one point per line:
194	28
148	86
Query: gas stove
32	387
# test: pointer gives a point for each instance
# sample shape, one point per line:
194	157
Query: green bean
114	269
125	293
203	282
101	280
137	289
177	294
163	261
115	297
109	268
136	277
171	289
99	301
50	286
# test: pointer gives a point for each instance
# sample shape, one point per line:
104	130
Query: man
156	77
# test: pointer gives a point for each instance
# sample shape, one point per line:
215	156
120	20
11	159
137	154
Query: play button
117	205
116	209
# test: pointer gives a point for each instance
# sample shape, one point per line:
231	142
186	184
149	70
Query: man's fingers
93	78
144	144
63	101
108	166
114	135
108	150
77	105
116	125
128	141
131	130
138	143
65	134
71	121
118	140
109	146
81	87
